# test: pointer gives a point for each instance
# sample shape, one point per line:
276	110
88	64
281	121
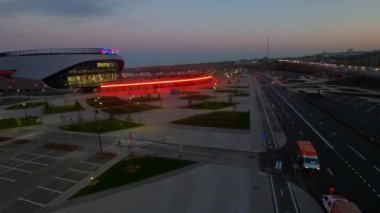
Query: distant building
65	68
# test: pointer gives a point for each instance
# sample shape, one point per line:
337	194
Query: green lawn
210	105
187	92
242	94
239	87
146	99
129	108
131	170
19	122
207	88
219	119
6	101
105	101
104	126
227	91
196	97
63	108
27	105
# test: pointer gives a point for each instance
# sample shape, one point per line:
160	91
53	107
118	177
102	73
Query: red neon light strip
155	82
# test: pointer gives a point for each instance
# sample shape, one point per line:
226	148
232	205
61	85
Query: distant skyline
159	32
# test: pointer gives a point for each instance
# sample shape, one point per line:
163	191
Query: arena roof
61	51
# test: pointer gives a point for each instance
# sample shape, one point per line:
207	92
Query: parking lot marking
31	134
334	134
358	105
356	151
350	101
30	201
301	133
14	168
47	156
68	180
7	179
27	161
96	164
331	173
370	109
377	169
80	171
48	189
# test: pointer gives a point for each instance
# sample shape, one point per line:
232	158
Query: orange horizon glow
156	82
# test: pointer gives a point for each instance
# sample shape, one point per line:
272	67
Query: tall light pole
138	103
98	130
24	104
215	94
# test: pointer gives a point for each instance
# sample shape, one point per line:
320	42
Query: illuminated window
104	64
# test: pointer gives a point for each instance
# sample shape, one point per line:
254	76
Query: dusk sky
156	32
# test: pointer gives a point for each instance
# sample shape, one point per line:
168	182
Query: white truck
338	204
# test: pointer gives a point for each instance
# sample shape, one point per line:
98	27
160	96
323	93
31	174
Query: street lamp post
98	130
215	94
138	103
24	104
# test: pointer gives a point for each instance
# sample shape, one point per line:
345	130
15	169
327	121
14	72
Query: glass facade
87	74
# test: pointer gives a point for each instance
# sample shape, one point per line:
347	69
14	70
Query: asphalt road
347	160
282	196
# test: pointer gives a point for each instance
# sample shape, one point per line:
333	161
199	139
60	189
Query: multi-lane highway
347	160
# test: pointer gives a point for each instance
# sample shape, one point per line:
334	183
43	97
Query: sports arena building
84	68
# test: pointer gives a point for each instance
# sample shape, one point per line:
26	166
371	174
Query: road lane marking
32	202
350	101
311	127
27	161
2	149
331	173
48	189
358	105
30	135
274	194
334	133
13	168
301	133
96	164
377	169
80	171
282	194
352	148
39	155
370	109
65	179
268	121
294	200
287	114
7	179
